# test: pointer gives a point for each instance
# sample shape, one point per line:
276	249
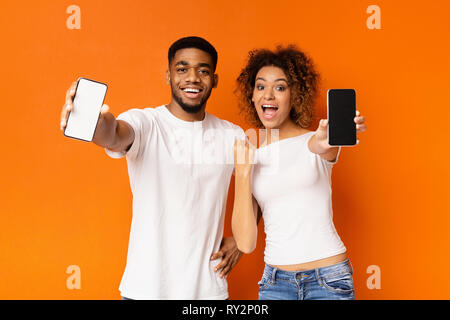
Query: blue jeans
333	282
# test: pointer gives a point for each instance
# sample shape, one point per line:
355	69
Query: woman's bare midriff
313	264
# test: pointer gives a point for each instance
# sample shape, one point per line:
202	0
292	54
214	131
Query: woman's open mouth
269	111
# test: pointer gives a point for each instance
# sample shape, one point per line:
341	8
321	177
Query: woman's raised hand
322	132
244	154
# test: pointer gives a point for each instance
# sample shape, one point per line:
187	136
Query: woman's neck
287	130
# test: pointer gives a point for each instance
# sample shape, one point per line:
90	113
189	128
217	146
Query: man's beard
188	107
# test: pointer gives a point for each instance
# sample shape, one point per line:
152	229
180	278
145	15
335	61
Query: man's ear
167	76
215	80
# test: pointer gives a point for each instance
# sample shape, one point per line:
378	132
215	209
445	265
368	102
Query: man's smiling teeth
191	90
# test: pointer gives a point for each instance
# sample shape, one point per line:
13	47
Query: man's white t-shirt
179	175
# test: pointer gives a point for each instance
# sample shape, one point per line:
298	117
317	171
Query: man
179	163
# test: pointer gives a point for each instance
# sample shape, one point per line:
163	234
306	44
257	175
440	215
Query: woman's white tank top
293	188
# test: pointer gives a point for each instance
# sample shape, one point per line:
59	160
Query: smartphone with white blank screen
87	102
341	105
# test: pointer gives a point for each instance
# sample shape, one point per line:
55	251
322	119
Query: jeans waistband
332	270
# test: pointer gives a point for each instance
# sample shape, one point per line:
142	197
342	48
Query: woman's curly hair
302	80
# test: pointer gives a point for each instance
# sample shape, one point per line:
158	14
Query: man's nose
192	75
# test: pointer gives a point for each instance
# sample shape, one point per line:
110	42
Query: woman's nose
268	94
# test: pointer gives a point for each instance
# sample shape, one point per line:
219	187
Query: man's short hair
193	42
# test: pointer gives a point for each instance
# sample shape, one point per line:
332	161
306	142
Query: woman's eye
260	87
281	88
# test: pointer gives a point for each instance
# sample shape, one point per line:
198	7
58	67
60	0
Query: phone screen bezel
328	114
104	97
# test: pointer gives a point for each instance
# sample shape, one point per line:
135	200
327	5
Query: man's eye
181	70
204	72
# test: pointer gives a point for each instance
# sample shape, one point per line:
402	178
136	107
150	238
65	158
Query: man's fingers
64	115
217	255
68	106
225	271
222	264
104	109
71	91
214	256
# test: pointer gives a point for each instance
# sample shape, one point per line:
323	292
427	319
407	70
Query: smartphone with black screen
87	102
341	105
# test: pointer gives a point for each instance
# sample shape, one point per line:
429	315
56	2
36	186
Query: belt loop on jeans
318	276
274	272
351	266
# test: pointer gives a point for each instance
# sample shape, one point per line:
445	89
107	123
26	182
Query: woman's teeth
269	111
269	106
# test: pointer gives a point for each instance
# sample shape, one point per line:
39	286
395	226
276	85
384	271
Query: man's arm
116	135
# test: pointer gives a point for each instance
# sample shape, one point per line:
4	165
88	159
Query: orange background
65	202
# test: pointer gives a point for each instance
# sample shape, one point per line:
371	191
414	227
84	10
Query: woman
290	181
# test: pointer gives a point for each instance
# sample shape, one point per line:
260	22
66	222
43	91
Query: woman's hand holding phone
319	142
360	124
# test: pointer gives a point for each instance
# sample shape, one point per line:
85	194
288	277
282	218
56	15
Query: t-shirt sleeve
239	133
142	125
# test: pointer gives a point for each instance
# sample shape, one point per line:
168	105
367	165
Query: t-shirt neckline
294	138
184	123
